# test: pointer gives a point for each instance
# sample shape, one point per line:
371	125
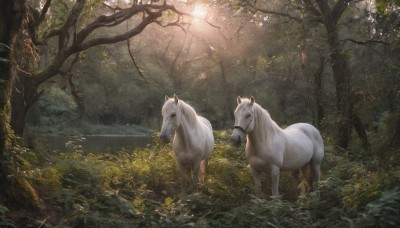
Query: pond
89	143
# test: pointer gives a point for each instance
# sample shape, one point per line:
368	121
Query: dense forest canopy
94	66
234	48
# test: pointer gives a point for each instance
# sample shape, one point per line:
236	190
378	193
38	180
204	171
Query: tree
388	25
73	36
328	15
8	34
13	45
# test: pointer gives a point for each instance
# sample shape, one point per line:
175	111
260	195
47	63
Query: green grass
141	188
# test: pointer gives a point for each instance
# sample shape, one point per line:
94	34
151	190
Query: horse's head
244	120
171	117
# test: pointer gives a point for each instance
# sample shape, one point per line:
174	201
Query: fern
4	221
382	212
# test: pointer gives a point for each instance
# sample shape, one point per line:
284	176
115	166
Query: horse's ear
176	99
252	100
166	97
238	100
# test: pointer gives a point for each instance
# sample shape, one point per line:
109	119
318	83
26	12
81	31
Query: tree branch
80	46
69	23
151	12
311	8
367	41
74	60
325	10
43	13
274	12
123	15
338	9
134	61
365	44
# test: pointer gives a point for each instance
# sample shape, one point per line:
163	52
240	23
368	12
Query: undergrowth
141	188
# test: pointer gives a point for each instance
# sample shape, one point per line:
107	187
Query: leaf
3	210
381	6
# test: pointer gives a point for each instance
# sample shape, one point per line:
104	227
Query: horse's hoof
276	197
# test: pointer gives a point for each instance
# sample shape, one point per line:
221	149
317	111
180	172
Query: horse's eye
173	115
248	115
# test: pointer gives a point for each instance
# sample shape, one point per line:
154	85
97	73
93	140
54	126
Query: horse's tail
306	174
203	167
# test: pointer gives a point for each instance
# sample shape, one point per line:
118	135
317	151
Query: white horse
193	141
272	149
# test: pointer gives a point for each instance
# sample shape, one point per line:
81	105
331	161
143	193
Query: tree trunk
24	95
319	91
344	106
227	90
359	126
14	186
343	94
342	86
9	24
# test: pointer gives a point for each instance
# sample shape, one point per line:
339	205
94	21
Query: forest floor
141	188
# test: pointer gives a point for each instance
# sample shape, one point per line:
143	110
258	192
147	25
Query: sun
199	12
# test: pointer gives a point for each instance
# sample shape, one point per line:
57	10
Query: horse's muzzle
236	140
164	138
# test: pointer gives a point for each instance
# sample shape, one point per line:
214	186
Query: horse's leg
195	172
257	181
316	173
203	168
183	172
275	171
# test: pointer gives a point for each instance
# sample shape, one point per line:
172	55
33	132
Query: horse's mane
267	125
188	111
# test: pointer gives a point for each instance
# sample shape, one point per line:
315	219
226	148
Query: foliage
142	188
383	5
21	189
366	186
393	128
382	212
4	221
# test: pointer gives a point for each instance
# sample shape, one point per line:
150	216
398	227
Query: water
91	143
